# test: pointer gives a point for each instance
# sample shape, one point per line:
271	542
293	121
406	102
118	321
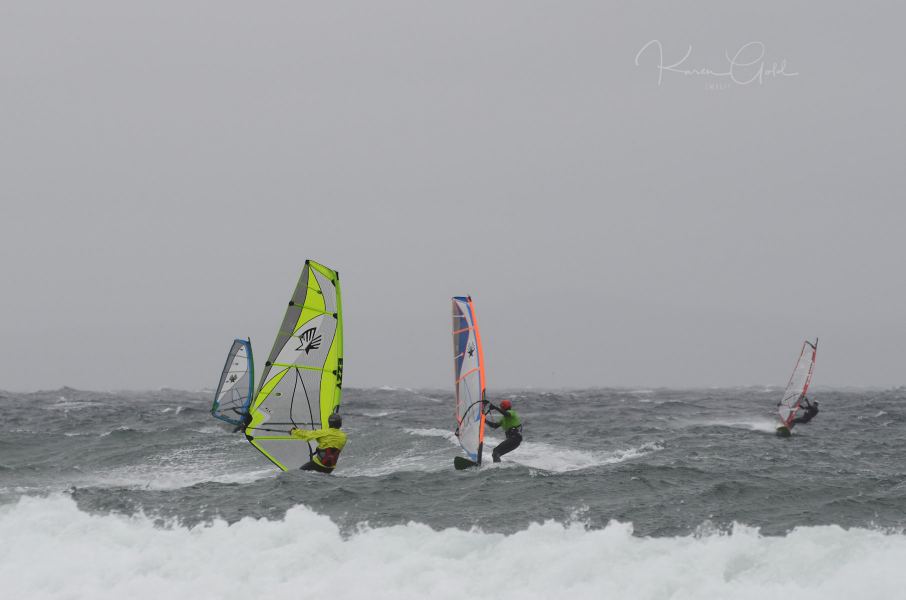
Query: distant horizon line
498	391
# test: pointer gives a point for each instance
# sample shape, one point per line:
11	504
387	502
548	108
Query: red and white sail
799	382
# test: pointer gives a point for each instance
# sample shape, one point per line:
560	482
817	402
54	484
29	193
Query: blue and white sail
237	384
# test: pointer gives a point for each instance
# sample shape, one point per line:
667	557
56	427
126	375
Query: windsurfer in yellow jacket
330	442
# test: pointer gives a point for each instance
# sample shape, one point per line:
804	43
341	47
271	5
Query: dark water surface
671	462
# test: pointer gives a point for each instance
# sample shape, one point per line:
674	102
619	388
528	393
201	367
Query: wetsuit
810	411
512	425
243	425
330	442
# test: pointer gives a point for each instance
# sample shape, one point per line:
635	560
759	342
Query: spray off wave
306	552
546	457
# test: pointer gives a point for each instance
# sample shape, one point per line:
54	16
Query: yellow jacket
328	438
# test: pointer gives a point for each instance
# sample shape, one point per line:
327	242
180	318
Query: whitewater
648	494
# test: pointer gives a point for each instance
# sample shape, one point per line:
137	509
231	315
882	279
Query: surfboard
302	380
461	463
468	380
235	389
797	387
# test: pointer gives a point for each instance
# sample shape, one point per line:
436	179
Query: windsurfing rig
799	383
235	389
302	380
468	380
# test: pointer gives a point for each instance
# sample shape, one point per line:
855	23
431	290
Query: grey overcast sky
166	168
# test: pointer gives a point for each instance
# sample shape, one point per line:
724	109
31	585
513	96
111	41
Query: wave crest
132	557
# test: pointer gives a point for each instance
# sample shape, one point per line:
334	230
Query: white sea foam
304	554
764	425
557	459
547	457
162	477
179	469
214	429
434	432
377	414
64	404
120	428
412	459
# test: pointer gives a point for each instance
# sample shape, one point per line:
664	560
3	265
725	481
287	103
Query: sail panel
237	383
799	383
468	378
302	379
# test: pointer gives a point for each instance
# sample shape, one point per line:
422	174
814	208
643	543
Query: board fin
461	462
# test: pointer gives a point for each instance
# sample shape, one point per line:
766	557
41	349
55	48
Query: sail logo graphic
308	341
471	350
233	378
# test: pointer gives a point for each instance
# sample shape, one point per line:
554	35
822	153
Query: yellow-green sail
303	375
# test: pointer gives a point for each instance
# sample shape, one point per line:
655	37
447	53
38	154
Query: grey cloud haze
166	168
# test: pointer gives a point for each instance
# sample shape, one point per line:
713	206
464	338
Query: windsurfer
810	408
246	419
512	426
330	442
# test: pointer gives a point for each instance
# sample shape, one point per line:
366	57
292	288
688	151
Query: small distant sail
302	379
237	383
799	382
468	380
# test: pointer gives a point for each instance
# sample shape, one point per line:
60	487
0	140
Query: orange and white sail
468	377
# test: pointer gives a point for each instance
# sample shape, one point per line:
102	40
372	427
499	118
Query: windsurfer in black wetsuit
246	419
810	408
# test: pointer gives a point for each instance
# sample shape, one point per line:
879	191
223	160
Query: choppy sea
649	494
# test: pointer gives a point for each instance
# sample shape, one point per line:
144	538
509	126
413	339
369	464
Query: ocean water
649	494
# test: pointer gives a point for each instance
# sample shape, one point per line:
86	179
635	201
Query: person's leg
313	466
508	445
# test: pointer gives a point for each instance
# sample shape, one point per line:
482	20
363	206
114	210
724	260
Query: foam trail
434	432
763	425
412	459
305	555
555	459
162	478
547	457
179	469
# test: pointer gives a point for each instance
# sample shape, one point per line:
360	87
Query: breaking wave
306	554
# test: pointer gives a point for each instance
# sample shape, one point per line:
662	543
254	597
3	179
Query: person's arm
487	411
305	434
494	407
